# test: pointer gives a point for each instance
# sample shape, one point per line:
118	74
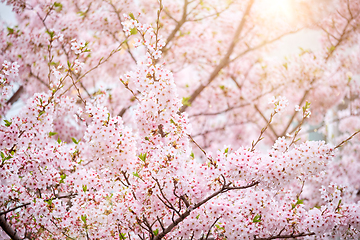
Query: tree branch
287	236
224	188
8	229
225	60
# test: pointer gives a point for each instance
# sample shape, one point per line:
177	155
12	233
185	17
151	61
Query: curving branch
286	236
179	24
26	204
253	144
8	229
16	95
225	188
225	60
347	140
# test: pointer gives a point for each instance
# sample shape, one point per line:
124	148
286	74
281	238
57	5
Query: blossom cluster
150	40
77	46
280	103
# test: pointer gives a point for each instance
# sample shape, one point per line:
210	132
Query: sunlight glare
278	7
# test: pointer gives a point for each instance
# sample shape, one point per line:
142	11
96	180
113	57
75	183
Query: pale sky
6	15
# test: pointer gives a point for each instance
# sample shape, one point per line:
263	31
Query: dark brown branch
161	224
223	189
287	236
16	95
26	204
208	233
168	204
149	227
8	229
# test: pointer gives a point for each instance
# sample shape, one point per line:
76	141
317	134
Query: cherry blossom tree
167	120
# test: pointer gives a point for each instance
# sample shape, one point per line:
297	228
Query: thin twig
253	144
346	140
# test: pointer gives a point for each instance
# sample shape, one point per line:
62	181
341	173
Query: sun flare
278	7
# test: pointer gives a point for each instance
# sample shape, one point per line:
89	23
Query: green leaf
172	121
59	6
81	13
156	232
83	218
226	150
7	123
132	16
142	157
222	87
51	34
49	201
192	155
62	177
122	236
133	31
10	30
136	174
59	140
257	218
2	155
185	101
299	201
84	187
285	66
219	227
52	133
41	113
75	141
198	216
